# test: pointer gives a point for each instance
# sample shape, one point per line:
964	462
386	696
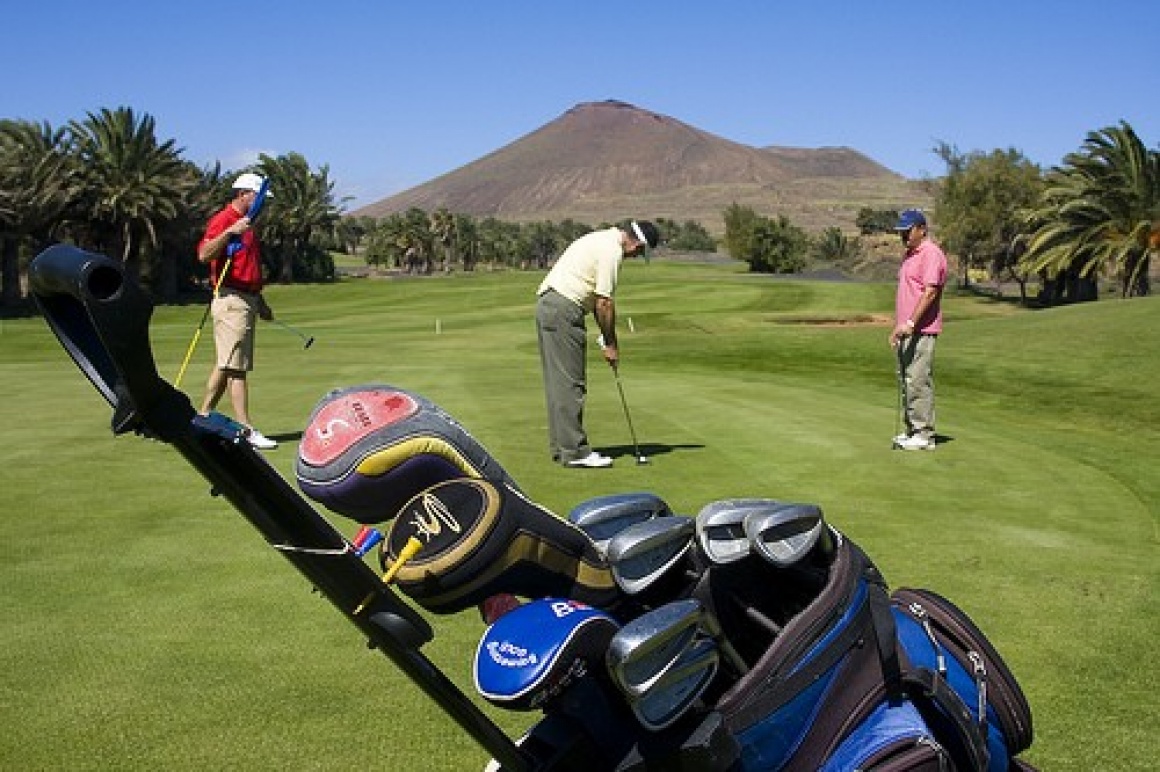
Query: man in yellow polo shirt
582	281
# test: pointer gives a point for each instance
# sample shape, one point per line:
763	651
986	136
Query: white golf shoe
592	461
917	442
259	440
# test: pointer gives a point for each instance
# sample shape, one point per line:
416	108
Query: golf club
603	517
640	458
786	534
721	528
641	554
901	397
308	340
678	689
644	649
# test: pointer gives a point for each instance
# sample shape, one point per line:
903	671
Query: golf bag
366	450
858	679
854	679
936	635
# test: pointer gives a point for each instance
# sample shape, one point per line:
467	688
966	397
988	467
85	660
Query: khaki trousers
916	367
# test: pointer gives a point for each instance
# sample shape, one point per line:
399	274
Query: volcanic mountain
603	161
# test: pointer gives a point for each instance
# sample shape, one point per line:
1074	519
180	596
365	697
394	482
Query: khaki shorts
234	317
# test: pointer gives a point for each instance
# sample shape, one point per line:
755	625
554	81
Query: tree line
416	241
1095	215
109	185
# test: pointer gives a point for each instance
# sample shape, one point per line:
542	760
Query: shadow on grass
646	449
286	436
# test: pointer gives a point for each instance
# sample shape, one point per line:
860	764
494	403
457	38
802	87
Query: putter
603	517
641	554
308	340
641	459
784	535
721	528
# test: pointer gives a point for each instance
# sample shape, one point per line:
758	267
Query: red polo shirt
245	271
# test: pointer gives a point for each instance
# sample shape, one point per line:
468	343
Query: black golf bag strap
927	689
885	632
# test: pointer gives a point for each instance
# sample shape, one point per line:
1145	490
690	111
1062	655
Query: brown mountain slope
602	161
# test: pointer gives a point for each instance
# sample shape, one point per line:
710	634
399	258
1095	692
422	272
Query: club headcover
480	538
367	450
533	653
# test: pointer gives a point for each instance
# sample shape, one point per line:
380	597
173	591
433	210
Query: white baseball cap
249	181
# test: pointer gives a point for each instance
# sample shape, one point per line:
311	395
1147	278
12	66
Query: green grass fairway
147	626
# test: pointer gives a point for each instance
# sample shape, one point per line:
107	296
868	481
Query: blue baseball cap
910	218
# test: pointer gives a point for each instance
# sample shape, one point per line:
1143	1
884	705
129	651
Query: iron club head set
603	517
663	661
781	533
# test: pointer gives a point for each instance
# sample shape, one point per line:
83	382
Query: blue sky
392	94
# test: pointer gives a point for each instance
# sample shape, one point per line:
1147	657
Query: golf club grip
259	200
235	242
101	318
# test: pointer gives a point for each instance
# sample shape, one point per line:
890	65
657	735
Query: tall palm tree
1100	211
134	183
443	233
303	210
37	180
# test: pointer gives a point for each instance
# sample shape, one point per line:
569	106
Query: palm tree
133	183
443	233
1100	211
303	211
37	181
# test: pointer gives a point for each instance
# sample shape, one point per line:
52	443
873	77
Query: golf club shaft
901	392
197	334
307	339
627	417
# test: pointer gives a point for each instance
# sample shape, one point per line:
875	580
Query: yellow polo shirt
588	268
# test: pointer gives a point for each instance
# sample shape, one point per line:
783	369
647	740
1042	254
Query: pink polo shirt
924	266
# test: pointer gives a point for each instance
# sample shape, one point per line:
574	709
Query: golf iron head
674	693
721	528
603	517
643	650
785	535
642	554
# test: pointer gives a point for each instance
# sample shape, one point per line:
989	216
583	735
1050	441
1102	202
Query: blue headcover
536	651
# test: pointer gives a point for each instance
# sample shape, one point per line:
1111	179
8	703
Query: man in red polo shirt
237	303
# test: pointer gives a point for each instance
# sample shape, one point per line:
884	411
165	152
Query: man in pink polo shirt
917	323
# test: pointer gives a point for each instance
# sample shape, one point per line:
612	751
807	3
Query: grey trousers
563	344
916	368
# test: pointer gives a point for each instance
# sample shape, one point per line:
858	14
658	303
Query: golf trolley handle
101	317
